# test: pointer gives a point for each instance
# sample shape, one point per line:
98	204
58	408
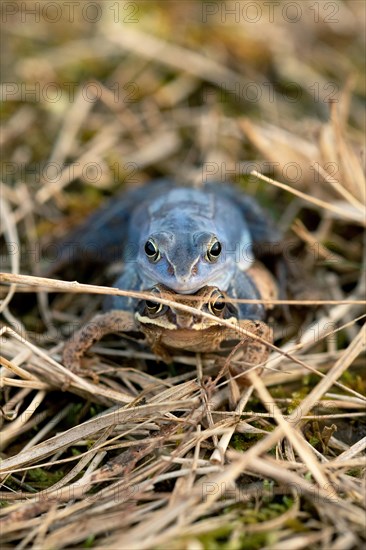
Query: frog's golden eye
153	307
217	306
214	251
151	250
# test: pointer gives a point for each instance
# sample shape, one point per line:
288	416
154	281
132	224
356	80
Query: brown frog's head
170	328
207	300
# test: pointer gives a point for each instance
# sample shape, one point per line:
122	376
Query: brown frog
169	328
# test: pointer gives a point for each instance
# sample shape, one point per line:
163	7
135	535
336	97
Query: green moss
243	442
314	441
89	543
296	399
296	525
356	472
245	541
354	381
220	539
75	452
42	479
235	536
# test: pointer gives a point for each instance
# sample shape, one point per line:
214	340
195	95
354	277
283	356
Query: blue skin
182	224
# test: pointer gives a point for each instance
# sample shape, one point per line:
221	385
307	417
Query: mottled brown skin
169	329
99	326
166	330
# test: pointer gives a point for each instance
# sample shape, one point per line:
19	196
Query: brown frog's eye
214	251
151	250
153	307
217	306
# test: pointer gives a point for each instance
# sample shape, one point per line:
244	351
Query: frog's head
184	261
207	300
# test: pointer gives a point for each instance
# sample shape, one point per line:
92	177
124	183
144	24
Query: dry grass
175	457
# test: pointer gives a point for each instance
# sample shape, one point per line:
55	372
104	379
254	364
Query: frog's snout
182	275
184	270
184	320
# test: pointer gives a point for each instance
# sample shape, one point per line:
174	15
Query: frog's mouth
208	323
190	285
164	323
155	321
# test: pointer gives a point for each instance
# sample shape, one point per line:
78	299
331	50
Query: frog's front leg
99	326
154	338
128	280
251	352
119	316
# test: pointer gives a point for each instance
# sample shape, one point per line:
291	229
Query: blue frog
181	237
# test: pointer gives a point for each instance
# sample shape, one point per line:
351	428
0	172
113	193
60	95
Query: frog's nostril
194	270
170	270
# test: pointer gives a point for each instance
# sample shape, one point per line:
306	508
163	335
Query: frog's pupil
219	306
215	249
150	249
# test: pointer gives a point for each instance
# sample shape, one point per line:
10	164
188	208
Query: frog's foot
162	353
250	352
154	338
99	326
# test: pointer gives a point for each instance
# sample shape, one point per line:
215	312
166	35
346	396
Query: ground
103	96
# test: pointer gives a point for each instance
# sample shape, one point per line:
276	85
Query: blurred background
101	95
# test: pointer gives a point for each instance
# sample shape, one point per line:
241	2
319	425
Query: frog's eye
153	307
214	251
151	250
217	306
